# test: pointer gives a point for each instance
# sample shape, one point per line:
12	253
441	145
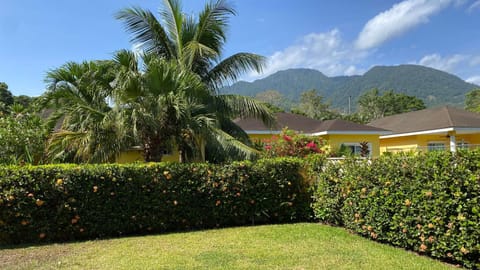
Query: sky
341	37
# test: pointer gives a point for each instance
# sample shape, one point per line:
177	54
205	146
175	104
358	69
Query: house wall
336	140
420	142
131	156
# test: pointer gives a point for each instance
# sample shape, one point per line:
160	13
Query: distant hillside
433	86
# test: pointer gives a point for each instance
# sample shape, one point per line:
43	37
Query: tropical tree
374	105
472	100
312	105
84	127
196	44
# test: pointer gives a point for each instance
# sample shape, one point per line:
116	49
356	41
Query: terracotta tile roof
304	124
428	119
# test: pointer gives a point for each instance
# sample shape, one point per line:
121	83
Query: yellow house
430	129
336	132
135	154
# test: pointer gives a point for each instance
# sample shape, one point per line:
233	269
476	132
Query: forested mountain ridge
433	86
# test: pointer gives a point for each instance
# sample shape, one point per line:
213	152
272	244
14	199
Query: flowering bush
292	144
69	202
426	202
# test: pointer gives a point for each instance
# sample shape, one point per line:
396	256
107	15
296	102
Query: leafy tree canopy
373	104
472	101
312	105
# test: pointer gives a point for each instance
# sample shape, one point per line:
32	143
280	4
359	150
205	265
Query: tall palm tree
196	44
168	105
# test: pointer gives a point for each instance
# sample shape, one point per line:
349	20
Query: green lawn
297	246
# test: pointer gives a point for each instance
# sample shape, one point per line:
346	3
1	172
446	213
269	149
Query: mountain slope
433	86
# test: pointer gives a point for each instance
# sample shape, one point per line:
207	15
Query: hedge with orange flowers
426	202
68	202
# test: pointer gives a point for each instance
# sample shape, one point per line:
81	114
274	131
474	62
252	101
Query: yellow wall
336	140
131	156
420	142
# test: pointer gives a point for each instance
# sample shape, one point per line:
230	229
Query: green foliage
432	86
22	139
6	97
274	100
312	105
472	101
292	144
373	105
66	202
426	202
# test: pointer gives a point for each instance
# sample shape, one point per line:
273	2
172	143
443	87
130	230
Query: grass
294	246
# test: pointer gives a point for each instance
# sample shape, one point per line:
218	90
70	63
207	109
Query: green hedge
68	202
429	203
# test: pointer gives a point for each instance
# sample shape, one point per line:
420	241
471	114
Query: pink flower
268	147
312	145
287	138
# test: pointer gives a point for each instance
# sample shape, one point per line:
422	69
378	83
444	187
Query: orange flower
218	202
42	235
423	248
24	222
30	195
95	188
428	194
39	202
431	226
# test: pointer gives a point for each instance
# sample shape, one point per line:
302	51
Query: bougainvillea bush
68	202
426	202
292	144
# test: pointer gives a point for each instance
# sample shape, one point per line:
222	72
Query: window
356	148
436	146
462	144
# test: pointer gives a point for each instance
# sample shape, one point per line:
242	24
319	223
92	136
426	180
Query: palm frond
231	68
147	31
236	106
173	18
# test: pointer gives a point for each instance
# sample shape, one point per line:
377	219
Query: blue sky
341	37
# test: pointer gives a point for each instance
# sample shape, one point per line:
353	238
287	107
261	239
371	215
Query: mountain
433	86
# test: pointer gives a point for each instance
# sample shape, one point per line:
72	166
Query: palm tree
196	44
84	126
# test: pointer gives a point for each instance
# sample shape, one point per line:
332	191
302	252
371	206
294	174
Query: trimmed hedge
68	202
429	203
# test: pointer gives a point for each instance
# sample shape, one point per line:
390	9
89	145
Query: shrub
292	144
67	202
427	202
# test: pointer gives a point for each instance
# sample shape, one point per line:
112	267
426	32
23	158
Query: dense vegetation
66	202
432	86
428	203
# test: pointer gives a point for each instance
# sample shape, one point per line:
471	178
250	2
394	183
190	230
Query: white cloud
458	64
322	51
397	20
448	63
474	80
474	6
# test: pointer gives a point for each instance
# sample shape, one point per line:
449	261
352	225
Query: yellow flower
464	250
59	182
408	203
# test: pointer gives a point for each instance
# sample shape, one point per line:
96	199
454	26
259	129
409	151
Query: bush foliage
429	203
67	202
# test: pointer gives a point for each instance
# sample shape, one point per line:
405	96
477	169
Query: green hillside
433	86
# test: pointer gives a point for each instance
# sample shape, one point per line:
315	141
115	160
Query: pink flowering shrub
292	144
